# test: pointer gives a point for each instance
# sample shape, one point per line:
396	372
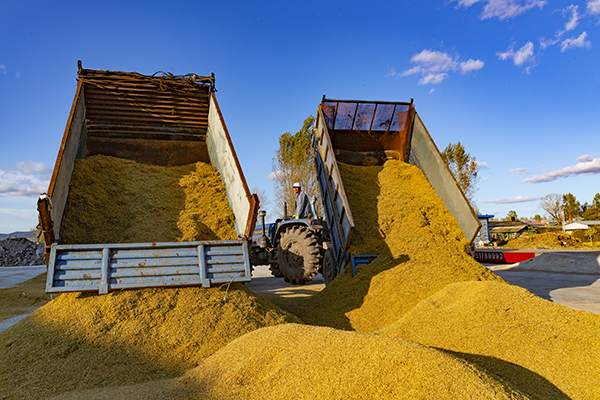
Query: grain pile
425	321
113	200
546	240
303	362
81	341
545	349
420	244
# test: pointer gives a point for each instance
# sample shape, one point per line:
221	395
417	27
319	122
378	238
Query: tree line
565	207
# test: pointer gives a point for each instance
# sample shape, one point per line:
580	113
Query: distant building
580	225
506	230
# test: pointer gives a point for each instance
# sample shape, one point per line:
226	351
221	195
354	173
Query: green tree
571	206
537	218
464	169
512	216
293	162
592	213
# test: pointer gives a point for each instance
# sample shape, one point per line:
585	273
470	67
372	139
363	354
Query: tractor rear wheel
330	268
298	255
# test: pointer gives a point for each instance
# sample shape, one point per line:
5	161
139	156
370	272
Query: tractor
294	248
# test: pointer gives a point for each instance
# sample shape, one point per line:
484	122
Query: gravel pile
20	251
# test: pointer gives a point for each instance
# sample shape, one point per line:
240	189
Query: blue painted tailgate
105	267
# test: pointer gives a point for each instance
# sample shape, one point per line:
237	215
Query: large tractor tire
298	255
330	268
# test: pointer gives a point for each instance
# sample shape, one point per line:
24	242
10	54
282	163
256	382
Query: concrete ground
576	291
264	282
11	276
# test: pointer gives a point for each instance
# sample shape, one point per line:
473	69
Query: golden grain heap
80	341
398	215
306	362
113	200
546	240
423	320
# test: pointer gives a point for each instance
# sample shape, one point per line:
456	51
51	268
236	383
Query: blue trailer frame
105	267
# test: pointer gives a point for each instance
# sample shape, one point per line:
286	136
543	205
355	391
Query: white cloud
503	9
481	164
522	57
434	66
3	68
593	7
574	19
431	90
29	180
433	79
519	171
586	167
580	41
512	200
32	167
586	157
467	3
273	175
524	54
431	62
572	12
540	166
485	178
470	65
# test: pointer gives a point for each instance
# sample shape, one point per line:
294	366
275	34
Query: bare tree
551	203
265	200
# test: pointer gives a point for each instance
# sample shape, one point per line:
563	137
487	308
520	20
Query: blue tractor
294	248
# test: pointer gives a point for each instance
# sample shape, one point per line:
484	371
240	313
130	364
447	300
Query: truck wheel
330	269
298	255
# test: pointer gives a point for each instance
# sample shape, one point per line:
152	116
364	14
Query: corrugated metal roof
161	99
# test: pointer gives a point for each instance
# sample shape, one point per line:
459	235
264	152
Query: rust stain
87	276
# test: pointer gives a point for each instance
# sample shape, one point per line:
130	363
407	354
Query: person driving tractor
302	203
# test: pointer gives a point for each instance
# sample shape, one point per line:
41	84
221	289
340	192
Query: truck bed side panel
337	210
58	189
223	157
429	159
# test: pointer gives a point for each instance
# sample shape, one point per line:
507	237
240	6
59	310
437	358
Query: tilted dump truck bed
162	120
368	133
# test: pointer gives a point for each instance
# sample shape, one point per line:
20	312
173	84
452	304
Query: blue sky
517	82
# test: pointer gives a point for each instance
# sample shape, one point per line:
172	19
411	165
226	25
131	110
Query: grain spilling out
423	320
113	200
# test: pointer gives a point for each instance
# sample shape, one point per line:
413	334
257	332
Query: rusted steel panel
126	96
106	267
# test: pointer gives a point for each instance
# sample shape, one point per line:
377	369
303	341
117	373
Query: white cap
296	185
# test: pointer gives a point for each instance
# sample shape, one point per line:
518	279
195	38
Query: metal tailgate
106	267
